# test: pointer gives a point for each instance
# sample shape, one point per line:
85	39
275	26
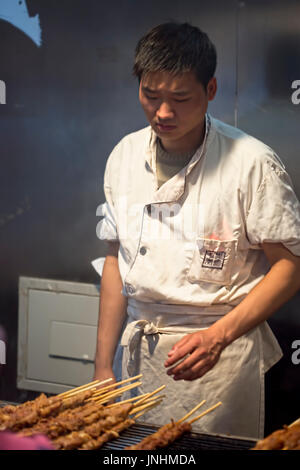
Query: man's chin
166	135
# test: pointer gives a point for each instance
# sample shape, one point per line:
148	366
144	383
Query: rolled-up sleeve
107	227
274	214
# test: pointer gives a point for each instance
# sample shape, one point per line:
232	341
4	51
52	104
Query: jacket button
130	289
143	250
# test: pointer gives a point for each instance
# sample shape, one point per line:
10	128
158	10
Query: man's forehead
167	81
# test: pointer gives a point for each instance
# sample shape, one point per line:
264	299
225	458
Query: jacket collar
173	189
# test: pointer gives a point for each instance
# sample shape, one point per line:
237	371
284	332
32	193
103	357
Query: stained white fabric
196	240
237	380
189	252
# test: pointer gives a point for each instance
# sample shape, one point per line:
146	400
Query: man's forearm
112	313
277	287
196	353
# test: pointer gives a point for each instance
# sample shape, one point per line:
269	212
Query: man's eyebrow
176	92
180	92
147	89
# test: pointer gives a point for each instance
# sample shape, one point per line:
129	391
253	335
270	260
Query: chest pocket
212	261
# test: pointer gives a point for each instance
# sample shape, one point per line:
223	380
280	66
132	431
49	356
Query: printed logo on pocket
213	259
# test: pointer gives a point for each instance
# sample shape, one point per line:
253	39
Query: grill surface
191	441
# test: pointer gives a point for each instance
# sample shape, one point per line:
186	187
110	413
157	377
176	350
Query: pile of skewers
287	438
84	418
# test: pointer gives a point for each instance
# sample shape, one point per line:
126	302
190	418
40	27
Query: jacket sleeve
107	227
274	214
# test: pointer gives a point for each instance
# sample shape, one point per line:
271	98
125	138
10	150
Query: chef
203	229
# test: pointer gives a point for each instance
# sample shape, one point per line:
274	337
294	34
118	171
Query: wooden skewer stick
191	412
119	391
146	406
82	388
205	412
91	388
131	399
150	395
109	387
127	401
136	408
294	423
144	411
115	393
77	388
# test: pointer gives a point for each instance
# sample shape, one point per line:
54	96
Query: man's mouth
165	127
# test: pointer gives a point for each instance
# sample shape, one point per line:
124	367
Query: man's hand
197	353
101	374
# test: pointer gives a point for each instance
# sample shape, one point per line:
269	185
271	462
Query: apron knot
150	329
135	330
132	337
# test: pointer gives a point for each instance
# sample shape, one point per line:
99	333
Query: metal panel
69	311
44	308
67	340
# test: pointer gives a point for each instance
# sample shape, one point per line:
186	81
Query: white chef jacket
194	245
214	215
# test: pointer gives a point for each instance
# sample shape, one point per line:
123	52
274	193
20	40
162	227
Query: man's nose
165	111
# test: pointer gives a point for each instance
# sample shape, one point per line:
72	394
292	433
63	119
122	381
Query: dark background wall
71	100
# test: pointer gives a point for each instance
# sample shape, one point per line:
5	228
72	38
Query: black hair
176	48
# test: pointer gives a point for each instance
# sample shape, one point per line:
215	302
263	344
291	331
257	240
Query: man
196	213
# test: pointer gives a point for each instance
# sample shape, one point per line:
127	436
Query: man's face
175	107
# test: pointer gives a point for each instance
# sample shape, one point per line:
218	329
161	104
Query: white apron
237	380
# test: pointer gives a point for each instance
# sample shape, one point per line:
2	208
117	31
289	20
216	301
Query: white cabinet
57	334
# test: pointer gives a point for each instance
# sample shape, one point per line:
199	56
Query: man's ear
211	89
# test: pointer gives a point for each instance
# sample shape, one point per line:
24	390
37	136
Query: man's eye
182	101
151	97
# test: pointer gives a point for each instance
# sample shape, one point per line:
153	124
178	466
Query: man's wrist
103	364
221	333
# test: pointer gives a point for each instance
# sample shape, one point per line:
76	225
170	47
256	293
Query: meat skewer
42	400
7	411
76	439
29	415
66	421
72	420
112	433
28	412
163	437
287	438
94	435
170	431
